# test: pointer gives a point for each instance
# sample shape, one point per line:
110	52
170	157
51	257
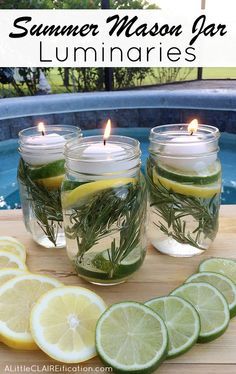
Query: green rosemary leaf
172	208
45	203
98	218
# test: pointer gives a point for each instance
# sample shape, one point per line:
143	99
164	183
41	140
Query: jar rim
130	148
65	130
165	134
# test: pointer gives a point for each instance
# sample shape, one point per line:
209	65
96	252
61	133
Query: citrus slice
97	266
63	323
7	274
16	299
223	266
206	191
211	306
131	338
9	244
182	322
51	183
209	175
74	197
125	267
130	260
9	260
52	169
222	283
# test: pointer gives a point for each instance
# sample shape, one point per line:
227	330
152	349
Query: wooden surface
158	276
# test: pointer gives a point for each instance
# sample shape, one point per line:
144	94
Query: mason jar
40	173
184	183
104	201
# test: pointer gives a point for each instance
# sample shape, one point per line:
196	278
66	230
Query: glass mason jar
40	173
184	182
104	201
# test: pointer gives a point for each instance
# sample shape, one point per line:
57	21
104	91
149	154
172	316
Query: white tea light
193	151
103	157
42	148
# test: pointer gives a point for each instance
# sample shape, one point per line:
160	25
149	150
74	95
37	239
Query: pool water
9	195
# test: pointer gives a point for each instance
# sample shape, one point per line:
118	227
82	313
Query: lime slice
182	322
220	265
92	271
211	306
51	183
128	265
131	338
96	266
52	169
210	175
222	283
74	197
206	191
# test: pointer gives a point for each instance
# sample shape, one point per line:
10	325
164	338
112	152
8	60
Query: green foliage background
74	4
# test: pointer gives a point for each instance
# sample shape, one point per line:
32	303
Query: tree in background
27	4
74	4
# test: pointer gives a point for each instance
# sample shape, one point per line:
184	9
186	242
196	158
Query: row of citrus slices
38	311
71	324
132	337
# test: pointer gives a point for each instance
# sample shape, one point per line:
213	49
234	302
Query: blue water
9	196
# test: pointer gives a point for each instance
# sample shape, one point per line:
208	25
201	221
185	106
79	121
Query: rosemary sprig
46	204
122	209
174	208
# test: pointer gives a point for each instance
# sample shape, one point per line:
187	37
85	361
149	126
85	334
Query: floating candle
97	155
36	150
42	145
188	151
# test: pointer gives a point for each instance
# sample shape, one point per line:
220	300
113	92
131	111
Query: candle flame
41	127
193	126
107	131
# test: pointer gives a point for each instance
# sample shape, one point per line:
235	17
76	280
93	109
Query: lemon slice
63	323
52	183
72	198
16	299
9	244
7	274
206	191
9	260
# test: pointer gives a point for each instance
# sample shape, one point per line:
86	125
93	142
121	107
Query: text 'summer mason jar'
104	202
184	180
40	173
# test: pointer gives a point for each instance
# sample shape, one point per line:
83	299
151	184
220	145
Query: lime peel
182	322
126	325
201	295
206	191
223	266
222	283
